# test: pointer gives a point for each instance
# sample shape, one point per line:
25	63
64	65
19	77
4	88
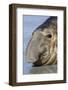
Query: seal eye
49	35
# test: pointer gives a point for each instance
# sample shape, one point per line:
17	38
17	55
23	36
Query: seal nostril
49	35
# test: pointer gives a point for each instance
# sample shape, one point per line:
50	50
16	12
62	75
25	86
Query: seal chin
37	63
42	58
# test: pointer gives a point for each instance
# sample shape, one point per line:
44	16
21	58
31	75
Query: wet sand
41	69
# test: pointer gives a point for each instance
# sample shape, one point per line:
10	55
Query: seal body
42	47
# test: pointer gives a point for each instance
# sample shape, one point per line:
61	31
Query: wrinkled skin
42	48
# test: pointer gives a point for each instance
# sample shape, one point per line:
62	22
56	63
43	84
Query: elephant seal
42	47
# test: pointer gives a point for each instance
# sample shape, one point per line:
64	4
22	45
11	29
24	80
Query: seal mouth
42	58
39	62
